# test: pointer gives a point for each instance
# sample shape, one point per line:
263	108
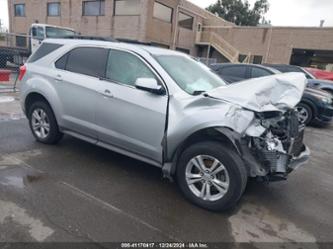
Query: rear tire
223	189
43	123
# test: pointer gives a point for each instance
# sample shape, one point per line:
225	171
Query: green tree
240	12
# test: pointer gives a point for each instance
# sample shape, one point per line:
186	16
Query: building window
127	7
162	12
53	9
19	9
21	41
93	8
257	59
185	21
242	57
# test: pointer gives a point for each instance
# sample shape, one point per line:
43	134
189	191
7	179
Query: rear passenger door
76	81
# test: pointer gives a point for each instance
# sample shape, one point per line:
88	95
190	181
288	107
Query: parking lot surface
75	191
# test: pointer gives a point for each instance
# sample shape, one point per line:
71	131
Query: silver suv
168	110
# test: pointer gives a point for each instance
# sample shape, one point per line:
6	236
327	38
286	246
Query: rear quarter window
43	50
61	63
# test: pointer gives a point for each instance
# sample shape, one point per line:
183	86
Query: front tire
211	176
305	113
43	123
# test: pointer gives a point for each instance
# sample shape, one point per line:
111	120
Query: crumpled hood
278	92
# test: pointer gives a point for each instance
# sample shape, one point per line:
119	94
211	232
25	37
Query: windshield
52	32
192	76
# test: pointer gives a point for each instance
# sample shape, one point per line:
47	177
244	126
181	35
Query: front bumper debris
300	160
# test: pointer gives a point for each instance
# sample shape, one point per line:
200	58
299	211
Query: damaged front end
272	144
277	146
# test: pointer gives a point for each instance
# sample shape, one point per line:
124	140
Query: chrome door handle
107	93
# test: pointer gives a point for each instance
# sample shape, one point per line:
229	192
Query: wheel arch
32	98
35	96
311	105
224	135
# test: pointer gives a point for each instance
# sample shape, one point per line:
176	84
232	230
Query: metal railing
13	53
221	45
14	40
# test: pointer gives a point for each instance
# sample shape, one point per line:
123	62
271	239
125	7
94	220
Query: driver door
128	118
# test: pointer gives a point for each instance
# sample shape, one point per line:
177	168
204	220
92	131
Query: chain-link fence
14	50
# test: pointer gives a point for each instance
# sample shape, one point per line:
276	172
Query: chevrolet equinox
168	110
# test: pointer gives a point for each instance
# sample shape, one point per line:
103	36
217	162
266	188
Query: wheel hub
207	178
40	123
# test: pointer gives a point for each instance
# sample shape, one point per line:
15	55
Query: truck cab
39	32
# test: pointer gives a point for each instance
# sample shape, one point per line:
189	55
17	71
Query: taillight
23	70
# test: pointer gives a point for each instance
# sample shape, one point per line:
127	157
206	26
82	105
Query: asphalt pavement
77	192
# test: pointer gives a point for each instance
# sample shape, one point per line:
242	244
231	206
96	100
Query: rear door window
259	72
43	50
87	60
237	71
233	73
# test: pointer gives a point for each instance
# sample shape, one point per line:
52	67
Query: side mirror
149	85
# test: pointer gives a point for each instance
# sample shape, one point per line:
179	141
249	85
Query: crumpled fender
191	115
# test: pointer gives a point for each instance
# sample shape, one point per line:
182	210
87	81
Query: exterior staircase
222	46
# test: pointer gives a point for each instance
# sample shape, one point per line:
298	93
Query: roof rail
95	38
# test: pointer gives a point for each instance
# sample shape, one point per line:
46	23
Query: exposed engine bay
281	141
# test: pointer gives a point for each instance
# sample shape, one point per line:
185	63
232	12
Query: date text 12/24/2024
164	245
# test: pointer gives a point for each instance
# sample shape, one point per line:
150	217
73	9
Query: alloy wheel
40	123
207	178
303	114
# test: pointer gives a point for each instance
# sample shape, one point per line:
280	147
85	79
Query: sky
292	12
281	13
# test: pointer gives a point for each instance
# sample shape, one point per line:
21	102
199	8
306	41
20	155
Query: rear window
88	61
44	50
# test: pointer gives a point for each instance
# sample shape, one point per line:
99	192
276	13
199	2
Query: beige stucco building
177	24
